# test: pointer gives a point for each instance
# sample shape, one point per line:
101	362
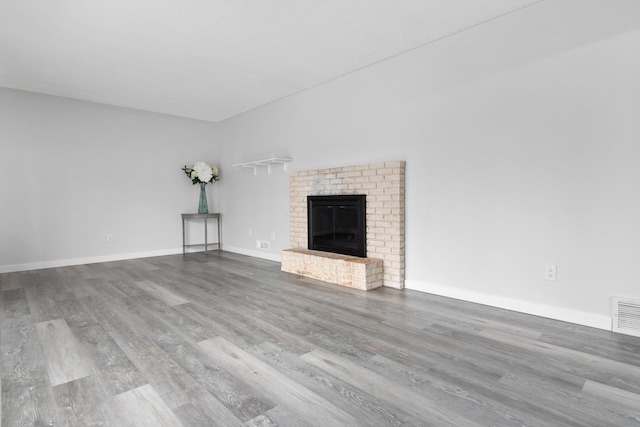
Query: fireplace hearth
384	186
337	224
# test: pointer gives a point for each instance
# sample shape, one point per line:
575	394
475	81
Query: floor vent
626	316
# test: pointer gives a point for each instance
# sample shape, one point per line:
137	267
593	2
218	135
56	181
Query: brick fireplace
384	185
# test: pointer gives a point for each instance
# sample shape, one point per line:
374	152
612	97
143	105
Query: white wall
72	172
522	143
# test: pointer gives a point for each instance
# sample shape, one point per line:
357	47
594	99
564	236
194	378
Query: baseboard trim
551	312
121	257
87	260
253	253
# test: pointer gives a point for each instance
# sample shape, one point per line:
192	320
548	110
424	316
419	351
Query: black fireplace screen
337	224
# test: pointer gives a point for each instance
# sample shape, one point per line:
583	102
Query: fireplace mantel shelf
265	163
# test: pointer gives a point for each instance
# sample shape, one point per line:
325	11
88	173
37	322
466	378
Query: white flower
203	171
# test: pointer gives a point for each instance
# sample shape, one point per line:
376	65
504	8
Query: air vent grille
626	316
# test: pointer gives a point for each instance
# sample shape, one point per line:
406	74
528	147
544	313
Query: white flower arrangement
201	173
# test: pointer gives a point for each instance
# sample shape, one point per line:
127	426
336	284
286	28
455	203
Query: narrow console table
205	217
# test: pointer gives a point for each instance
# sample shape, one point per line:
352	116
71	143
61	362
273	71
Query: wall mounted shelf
265	163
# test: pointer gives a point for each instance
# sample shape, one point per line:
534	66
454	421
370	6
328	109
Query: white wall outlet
550	272
273	236
109	238
250	232
261	244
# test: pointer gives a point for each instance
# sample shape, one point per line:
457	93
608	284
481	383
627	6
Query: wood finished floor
230	340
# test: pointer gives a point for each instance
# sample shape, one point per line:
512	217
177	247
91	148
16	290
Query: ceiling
213	59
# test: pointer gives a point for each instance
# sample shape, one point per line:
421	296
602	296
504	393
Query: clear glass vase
203	208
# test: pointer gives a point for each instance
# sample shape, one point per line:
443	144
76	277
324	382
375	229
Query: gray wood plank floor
230	340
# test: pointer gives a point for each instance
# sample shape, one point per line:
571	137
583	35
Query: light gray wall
522	143
521	139
72	172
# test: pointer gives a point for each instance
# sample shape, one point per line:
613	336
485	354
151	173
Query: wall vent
626	316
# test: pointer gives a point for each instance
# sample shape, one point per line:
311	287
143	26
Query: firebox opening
337	224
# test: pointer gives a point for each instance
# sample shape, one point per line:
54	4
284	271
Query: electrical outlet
261	244
550	272
273	236
109	238
250	232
